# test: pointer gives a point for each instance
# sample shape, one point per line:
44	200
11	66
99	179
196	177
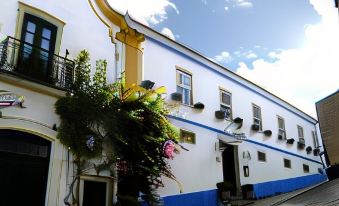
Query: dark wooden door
36	53
94	193
24	162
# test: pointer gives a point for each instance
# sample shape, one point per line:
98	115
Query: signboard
8	99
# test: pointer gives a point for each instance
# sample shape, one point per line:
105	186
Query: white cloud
273	55
223	57
243	3
204	2
251	55
166	31
146	11
303	76
226	8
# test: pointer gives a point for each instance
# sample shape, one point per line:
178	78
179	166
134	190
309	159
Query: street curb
295	195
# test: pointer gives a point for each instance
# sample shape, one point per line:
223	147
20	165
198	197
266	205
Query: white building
34	164
272	165
28	139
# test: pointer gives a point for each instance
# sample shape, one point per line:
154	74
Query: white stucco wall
82	30
160	66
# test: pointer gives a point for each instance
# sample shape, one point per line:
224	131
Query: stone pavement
276	200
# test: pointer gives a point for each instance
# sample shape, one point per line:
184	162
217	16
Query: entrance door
24	161
35	57
229	167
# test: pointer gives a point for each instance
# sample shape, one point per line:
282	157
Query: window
306	168
261	156
287	163
315	139
301	134
226	103
257	116
184	86
187	136
281	128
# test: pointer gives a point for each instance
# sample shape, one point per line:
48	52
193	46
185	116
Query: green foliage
131	119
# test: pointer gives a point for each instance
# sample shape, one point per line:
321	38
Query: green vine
128	124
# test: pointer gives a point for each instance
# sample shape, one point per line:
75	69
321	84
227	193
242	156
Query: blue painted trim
227	77
276	187
247	140
201	198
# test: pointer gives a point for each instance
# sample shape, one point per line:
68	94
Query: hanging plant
131	119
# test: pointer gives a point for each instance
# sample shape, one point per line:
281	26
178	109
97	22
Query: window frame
183	140
306	168
289	165
301	134
180	71
263	153
109	187
315	139
283	129
256	118
228	106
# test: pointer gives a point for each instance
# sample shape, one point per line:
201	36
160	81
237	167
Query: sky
288	47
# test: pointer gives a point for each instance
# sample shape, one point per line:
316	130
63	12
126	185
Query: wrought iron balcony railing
35	64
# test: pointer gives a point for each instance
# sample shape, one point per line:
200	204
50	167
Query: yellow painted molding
110	30
126	34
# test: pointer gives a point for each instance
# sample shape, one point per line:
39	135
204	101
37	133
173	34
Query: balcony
35	64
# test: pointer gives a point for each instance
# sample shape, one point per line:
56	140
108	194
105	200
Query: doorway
229	165
24	160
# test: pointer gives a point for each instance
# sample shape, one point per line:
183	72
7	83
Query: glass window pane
187	81
31	27
29	38
46	33
226	98
45	44
180	90
186	96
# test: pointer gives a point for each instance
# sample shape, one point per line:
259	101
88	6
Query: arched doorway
24	163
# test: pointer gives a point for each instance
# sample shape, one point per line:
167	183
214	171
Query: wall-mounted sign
8	99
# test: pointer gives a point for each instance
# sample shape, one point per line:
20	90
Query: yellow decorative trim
110	30
25	8
127	34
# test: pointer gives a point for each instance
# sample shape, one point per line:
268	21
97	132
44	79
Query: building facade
234	130
39	40
328	114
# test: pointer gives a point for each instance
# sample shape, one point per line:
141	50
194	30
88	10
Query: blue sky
289	47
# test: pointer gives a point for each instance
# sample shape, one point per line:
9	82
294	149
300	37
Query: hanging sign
8	99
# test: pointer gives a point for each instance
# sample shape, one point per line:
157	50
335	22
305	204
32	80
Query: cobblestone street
326	194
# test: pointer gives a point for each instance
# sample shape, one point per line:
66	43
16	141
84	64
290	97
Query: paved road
326	194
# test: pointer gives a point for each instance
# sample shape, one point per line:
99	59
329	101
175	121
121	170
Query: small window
315	139
226	103
184	86
281	128
287	163
261	156
300	132
187	136
257	116
306	168
95	191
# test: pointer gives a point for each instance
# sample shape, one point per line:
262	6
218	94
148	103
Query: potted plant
308	149
280	137
176	96
255	127
224	189
316	151
267	133
301	145
290	141
199	105
220	114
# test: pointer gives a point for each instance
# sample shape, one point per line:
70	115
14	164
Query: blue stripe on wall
227	77
203	198
247	140
266	189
